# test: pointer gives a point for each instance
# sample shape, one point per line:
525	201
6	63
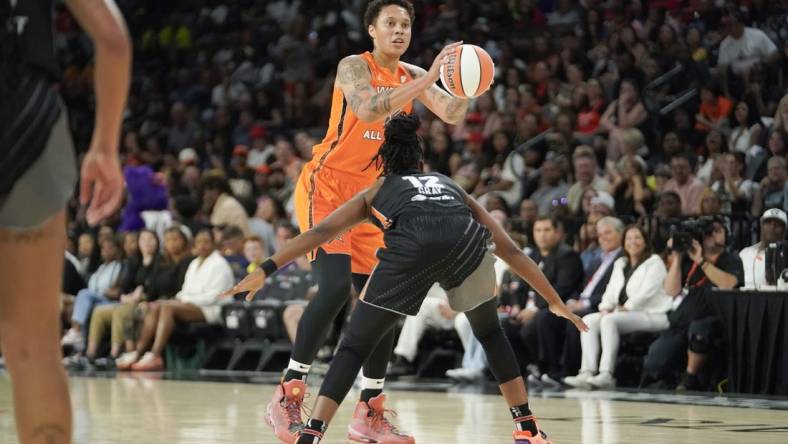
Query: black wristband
269	267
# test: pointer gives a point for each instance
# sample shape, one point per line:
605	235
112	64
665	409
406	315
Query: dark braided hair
401	149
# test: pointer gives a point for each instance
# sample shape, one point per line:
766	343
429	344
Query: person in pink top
685	184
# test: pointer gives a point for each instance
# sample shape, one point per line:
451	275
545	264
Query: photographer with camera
754	258
698	262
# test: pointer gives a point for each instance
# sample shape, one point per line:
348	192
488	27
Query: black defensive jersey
416	193
430	236
29	107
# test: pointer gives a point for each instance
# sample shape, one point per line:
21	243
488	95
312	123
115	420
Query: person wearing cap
753	258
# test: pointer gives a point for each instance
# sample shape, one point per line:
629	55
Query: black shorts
426	249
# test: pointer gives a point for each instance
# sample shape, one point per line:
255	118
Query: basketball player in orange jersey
369	88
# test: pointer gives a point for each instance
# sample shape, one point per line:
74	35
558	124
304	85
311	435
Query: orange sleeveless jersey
350	143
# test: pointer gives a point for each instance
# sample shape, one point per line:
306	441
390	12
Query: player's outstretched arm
524	266
342	219
355	80
448	108
102	182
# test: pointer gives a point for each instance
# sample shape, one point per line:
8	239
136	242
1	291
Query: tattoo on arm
453	107
50	433
381	103
353	77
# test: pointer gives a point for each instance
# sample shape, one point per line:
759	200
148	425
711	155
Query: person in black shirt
689	280
433	232
37	177
532	330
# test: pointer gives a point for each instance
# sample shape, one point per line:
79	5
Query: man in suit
564	269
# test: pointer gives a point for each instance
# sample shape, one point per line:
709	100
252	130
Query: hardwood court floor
134	409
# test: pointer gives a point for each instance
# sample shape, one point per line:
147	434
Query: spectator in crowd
88	255
564	270
627	111
510	167
630	191
735	191
585	168
634	300
552	190
746	127
713	149
103	288
710	203
753	258
690	277
714	109
219	203
267	213
232	248
197	302
685	184
743	48
119	317
255	252
773	192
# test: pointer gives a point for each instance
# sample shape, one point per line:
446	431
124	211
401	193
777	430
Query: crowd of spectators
602	114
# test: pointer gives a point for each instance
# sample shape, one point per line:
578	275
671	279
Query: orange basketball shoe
284	410
370	424
524	437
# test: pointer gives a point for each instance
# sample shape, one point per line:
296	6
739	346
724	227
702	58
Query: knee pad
699	344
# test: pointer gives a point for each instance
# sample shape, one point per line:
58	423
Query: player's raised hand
435	70
101	184
252	283
563	311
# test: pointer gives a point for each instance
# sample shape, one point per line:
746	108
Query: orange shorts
317	195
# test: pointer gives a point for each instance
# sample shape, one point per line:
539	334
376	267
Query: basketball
468	72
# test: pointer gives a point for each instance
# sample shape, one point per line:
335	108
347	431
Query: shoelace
379	420
294	407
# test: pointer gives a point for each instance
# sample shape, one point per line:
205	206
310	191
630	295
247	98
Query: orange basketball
469	71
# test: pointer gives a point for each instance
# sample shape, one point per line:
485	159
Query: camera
686	231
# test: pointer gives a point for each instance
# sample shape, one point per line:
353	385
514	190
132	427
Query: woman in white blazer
634	300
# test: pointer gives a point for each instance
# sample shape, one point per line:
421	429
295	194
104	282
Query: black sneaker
400	367
689	383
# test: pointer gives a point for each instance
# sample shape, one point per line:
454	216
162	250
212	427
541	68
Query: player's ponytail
401	148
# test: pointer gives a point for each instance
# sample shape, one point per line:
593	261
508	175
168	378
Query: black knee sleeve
368	326
488	330
332	273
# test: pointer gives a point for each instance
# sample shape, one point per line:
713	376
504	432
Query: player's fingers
95	203
250	295
85	189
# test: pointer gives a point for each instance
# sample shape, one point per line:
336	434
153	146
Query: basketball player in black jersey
433	232
37	177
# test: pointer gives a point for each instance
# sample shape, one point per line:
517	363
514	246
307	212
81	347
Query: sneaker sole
282	436
354	436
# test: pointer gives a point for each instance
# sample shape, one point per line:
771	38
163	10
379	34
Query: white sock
372	384
298	367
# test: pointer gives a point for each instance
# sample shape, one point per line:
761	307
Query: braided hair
401	149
